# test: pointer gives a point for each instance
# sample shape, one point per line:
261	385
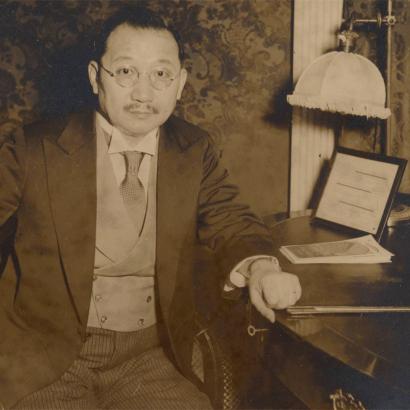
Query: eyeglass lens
127	77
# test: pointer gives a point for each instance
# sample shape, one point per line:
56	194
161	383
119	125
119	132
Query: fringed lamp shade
342	82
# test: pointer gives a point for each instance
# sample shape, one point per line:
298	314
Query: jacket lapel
176	208
71	172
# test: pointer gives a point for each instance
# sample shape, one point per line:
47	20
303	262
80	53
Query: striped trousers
119	370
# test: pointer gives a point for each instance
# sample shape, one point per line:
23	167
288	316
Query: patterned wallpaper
401	87
372	45
238	56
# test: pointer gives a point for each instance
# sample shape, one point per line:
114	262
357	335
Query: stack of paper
358	250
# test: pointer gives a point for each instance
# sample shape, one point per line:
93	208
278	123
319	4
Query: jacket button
141	322
98	298
149	298
103	319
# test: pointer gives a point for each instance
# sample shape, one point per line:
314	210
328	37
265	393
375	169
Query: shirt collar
118	143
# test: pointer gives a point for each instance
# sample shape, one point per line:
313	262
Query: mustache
138	107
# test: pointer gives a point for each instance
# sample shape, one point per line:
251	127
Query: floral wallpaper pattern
400	87
238	56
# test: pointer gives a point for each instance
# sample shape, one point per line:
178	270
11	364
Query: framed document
359	191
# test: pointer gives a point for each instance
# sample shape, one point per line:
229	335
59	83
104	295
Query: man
109	207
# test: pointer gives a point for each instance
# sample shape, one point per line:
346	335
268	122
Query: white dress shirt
119	143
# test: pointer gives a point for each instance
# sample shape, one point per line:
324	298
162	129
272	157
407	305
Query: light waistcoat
124	273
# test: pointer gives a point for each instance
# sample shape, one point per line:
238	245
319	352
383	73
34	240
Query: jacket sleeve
12	170
224	224
12	175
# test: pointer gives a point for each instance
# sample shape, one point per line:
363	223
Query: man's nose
142	89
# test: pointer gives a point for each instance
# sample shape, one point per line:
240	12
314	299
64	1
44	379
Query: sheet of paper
358	250
356	192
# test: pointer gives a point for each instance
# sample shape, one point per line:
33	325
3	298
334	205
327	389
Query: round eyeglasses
127	76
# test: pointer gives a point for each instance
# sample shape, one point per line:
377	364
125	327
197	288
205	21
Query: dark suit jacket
48	181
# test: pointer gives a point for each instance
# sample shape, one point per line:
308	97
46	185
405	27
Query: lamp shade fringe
343	107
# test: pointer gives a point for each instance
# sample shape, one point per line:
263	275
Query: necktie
132	190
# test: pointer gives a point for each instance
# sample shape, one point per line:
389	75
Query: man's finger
278	295
258	302
271	296
298	289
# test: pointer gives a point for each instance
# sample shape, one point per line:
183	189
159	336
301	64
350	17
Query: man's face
138	109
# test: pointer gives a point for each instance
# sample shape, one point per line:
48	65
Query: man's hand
270	289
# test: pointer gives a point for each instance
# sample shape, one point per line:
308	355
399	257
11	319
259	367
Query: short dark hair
137	17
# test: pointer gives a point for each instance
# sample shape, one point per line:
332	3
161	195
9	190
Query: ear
93	75
182	80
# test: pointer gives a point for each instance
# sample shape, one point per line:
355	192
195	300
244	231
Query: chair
222	347
214	371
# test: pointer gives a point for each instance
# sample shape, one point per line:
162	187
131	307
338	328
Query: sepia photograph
204	204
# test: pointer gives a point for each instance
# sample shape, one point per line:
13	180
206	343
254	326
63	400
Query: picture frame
359	191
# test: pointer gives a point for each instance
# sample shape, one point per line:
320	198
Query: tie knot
133	161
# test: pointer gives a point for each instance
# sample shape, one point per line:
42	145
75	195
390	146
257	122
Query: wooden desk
367	356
